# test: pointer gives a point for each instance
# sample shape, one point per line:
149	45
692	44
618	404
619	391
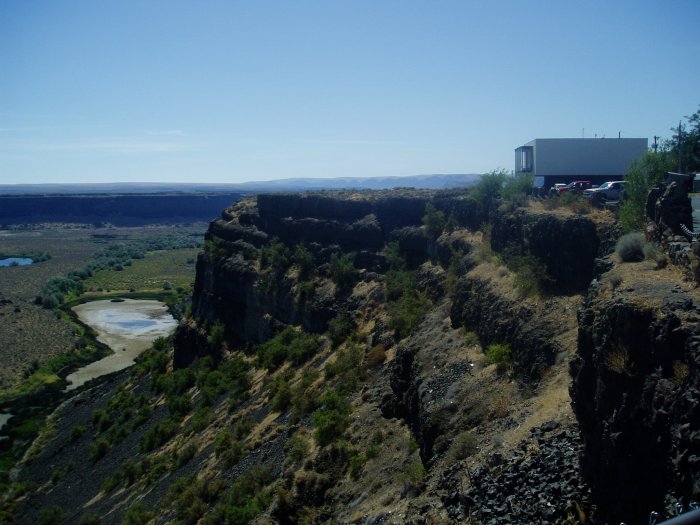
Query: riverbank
101	355
127	326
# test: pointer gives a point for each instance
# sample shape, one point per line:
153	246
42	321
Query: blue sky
233	91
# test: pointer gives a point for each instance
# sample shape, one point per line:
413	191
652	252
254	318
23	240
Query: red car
578	186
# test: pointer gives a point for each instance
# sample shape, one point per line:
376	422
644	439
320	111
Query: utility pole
680	136
655	144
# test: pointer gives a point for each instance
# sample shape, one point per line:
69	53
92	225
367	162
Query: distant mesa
136	204
431	181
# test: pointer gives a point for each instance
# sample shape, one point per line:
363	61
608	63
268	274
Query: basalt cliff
405	356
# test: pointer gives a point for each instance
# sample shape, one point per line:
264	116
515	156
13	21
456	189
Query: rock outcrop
636	392
498	319
566	245
252	302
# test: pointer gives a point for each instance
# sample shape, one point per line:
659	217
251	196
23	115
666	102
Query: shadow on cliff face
636	391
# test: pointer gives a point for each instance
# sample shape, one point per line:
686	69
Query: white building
567	160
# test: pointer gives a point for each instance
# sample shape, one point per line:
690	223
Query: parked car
554	190
578	186
609	191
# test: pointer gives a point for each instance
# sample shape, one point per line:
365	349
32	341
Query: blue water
15	261
141	323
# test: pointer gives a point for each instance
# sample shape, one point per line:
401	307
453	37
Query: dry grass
376	356
595	214
617	360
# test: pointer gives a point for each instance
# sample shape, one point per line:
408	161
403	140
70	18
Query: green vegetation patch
500	355
175	267
332	418
117	257
288	345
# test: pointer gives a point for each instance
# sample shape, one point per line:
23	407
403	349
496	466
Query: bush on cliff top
630	247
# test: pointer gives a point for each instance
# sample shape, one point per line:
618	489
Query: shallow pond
15	261
128	327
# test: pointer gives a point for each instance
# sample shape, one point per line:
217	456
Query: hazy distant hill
298	184
119	209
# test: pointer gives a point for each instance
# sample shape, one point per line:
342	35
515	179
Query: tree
488	190
433	220
690	144
642	175
516	185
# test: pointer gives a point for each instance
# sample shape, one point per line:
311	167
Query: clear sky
233	91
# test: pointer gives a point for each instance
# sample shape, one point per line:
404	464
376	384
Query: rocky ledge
253	302
636	391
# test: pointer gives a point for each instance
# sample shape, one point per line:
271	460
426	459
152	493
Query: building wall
585	157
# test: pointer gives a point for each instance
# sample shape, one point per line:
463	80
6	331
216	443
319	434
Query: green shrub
227	448
517	186
464	445
356	464
137	515
630	247
653	253
158	435
394	257
342	270
641	176
348	368
412	445
276	256
407	313
498	354
280	394
304	260
399	282
179	405
568	198
531	277
113	481
52	515
200	420
77	432
413	473
290	344
101	419
248	497
340	328
216	334
298	447
488	190
304	398
99	448
332	418
89	518
433	220
183	456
